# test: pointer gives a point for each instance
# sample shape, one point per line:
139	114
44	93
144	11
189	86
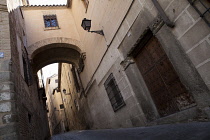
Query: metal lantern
86	24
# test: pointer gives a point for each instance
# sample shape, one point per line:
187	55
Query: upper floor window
50	21
203	9
26	68
113	92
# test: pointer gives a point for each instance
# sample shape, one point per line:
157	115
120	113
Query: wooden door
166	89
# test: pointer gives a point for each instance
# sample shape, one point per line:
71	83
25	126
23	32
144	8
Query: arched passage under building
61	51
56	50
53	53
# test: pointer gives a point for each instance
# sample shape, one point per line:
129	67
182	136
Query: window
50	21
203	9
26	68
61	106
56	80
29	118
113	92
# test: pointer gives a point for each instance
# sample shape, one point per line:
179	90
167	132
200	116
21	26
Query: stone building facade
54	104
150	67
22	107
71	89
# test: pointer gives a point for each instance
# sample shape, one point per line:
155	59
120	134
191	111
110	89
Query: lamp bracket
98	32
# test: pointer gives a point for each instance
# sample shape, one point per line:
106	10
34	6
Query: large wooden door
166	89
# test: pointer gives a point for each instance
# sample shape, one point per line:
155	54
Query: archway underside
71	43
54	53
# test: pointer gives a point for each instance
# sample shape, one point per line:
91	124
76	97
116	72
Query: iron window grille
203	9
26	68
113	92
29	118
61	106
50	21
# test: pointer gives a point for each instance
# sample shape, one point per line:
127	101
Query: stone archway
54	50
75	44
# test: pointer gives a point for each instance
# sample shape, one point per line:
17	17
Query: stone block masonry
8	126
7	102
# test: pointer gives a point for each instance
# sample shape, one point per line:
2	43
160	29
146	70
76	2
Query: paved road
192	131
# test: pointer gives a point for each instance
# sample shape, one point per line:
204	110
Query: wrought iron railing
203	9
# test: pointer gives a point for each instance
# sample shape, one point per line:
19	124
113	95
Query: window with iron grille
50	21
113	92
26	68
27	73
61	106
203	9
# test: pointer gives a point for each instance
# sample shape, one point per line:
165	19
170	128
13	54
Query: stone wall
74	107
20	118
186	45
37	32
7	96
193	34
190	32
31	116
72	115
174	41
56	116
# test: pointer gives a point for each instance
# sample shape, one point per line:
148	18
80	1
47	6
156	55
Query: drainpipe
163	15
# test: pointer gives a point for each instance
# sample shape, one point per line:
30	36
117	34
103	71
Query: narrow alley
125	69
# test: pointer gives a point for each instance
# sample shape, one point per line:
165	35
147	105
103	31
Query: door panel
166	89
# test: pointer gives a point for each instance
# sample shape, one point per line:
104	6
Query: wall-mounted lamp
64	91
86	25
